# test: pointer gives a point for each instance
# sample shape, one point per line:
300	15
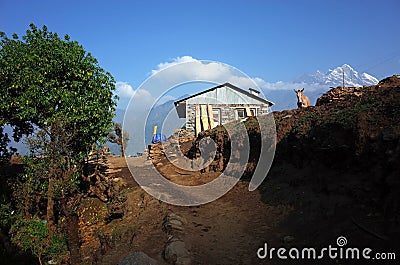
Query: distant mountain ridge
318	83
335	77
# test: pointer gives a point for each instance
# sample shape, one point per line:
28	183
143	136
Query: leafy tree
54	85
120	137
44	78
33	235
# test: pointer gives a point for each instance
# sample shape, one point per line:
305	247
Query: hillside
337	165
335	173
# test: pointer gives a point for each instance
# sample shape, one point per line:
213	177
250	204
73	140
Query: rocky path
229	230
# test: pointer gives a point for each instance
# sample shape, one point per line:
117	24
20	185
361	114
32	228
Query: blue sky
272	40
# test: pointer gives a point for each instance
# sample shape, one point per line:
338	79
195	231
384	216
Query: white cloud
175	61
204	70
124	90
196	70
144	97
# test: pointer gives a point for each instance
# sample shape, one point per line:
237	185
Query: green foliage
302	126
33	235
55	86
34	177
58	247
344	117
52	157
348	117
6	213
44	78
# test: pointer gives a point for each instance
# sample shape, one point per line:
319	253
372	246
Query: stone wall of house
190	117
227	112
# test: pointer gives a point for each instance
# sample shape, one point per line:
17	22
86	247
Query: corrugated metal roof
237	89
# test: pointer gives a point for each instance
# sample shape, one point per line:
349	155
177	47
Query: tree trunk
72	234
73	238
50	207
122	150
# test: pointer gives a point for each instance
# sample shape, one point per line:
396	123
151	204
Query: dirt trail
231	229
226	231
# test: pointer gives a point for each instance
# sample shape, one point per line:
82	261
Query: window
241	113
216	116
253	112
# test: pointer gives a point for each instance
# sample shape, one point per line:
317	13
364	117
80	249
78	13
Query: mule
302	100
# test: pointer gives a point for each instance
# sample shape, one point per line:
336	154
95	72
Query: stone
175	222
173	141
137	258
174	216
171	225
176	253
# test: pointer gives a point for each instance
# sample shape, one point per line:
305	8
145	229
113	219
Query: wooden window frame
243	110
219	115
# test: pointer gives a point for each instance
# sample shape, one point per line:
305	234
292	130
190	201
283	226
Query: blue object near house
159	138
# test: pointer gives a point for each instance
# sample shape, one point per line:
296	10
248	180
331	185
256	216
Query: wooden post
211	116
197	116
204	117
248	112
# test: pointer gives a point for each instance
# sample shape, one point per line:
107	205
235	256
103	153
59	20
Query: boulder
137	258
176	253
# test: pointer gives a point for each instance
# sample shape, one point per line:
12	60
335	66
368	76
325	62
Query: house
219	105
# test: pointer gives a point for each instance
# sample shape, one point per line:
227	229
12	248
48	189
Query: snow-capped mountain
335	77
